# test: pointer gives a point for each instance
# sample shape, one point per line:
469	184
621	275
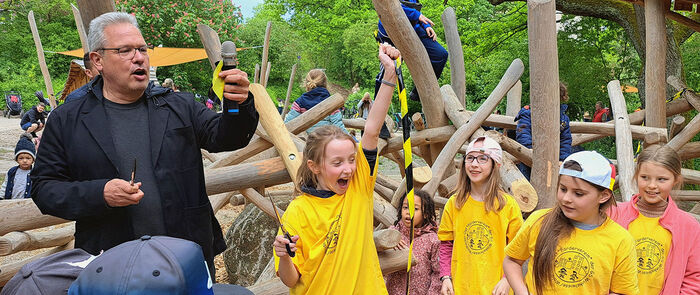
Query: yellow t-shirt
480	240
652	242
596	261
336	252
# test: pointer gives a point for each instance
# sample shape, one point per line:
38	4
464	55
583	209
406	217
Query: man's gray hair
96	33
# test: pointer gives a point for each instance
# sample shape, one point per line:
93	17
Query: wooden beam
418	122
690	176
285	109
23	215
415	56
623	142
465	130
677	124
266	172
26	241
256	76
511	146
80	27
692	196
211	42
686	134
266	49
689	151
692	24
456	54
261	202
691	96
42	61
383	211
386	239
394	260
267	73
90	9
544	98
655	63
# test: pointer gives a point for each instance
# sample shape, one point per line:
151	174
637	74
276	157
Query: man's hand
424	19
119	193
238	92
431	33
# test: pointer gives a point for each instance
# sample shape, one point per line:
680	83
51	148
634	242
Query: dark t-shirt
130	133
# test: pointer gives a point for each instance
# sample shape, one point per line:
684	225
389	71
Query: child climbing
316	92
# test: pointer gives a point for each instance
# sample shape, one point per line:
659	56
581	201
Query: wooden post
677	124
544	98
383	211
26	241
266	49
655	63
22	215
515	70
417	119
267	73
394	260
261	202
211	42
685	135
80	27
274	126
256	77
511	146
456	55
414	54
623	142
90	9
285	109
386	239
267	172
42	61
689	151
514	99
691	96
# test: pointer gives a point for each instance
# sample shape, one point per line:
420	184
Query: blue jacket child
17	184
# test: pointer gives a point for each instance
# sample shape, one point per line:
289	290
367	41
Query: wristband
388	83
443	278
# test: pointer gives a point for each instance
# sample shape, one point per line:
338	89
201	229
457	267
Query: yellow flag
217	83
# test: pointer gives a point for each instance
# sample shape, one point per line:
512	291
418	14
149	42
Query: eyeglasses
481	159
128	52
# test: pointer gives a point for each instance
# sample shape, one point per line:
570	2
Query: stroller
13	104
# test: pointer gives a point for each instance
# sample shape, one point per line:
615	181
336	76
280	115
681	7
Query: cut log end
524	195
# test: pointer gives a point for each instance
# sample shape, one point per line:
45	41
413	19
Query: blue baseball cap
49	275
149	265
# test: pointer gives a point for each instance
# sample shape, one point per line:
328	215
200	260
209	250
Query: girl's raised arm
375	119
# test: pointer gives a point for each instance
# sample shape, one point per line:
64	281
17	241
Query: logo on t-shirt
572	267
332	236
478	237
650	255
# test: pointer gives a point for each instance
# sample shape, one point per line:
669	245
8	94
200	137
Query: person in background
91	72
316	92
17	183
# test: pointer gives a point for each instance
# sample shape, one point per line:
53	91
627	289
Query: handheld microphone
228	58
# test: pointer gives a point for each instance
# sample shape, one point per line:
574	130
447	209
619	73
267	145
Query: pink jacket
425	275
682	267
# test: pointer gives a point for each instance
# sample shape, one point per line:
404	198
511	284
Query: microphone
228	58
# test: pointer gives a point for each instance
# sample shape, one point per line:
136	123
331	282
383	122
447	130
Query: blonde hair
314	150
563	92
663	155
315	78
494	195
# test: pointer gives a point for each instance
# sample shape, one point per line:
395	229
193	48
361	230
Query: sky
247	6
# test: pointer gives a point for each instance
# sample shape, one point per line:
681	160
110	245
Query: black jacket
33	116
77	158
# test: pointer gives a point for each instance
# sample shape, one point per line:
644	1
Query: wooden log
690	176
672	108
237	200
295	126
655	64
424	150
42	60
209	156
637	132
399	160
427	136
23	215
9	270
448	185
80	27
690	150
514	99
271	287
680	195
421	176
285	109
386	239
387	182
677	124
26	241
623	142
689	95
383	191
256	77
398	193
512	180
511	146
267	74
261	202
415	56
456	54
266	49
686	134
394	260
90	9
218	201
384	212
274	126
266	172
211	42
544	98
515	70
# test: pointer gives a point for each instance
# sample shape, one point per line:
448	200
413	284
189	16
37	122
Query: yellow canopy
163	56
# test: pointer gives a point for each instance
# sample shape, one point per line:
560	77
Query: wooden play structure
273	156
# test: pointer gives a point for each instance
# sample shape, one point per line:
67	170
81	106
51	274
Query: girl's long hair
428	209
557	227
662	155
314	150
494	199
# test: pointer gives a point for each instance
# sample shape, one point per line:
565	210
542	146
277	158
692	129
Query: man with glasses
124	160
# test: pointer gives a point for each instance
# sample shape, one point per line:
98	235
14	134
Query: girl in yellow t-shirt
331	221
575	247
477	223
665	236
